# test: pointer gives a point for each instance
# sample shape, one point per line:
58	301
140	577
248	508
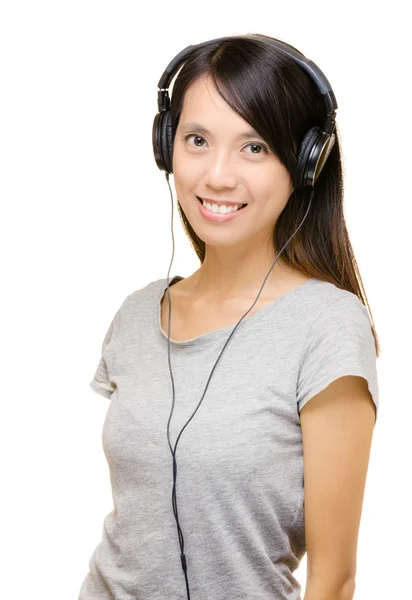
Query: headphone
316	144
311	157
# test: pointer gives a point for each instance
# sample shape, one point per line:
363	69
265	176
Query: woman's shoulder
144	291
327	301
326	291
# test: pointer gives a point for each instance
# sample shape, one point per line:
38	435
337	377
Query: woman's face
225	162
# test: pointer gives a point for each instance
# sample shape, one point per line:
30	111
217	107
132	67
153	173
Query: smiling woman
274	452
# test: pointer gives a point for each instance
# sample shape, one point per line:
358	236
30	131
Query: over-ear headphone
312	155
315	146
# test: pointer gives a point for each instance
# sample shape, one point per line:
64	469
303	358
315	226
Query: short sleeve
340	342
101	381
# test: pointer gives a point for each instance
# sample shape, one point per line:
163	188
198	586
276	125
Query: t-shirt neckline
222	331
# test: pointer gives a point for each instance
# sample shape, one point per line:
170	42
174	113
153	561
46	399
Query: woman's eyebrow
193	125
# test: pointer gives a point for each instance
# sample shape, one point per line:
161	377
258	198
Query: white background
86	220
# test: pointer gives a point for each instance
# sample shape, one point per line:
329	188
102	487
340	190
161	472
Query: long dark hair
281	102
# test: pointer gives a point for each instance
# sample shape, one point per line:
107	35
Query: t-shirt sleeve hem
101	388
341	373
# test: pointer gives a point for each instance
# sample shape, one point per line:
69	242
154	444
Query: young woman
264	454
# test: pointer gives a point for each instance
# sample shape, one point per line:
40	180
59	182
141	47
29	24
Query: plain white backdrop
86	221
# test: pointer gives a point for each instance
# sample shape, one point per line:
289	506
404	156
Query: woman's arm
337	428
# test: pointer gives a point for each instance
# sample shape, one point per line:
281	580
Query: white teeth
223	209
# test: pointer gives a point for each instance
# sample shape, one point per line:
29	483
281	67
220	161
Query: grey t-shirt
240	489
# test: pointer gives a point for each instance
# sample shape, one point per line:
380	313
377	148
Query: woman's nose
220	172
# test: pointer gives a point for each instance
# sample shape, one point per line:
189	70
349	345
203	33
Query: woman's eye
198	137
194	135
257	146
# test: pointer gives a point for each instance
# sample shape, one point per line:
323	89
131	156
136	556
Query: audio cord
173	451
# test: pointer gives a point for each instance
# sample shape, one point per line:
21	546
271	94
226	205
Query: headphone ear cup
156	141
304	173
162	141
167	141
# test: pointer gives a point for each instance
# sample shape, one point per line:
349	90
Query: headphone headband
320	79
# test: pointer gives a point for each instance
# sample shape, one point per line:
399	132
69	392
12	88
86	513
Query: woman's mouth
216	215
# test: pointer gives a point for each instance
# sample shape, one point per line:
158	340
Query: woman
264	475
